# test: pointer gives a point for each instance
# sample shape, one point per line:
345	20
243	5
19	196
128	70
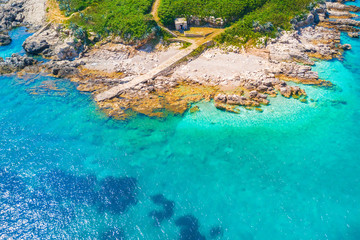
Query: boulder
35	47
262	96
286	91
5	39
220	98
65	51
67	72
234	100
253	94
262	88
62	68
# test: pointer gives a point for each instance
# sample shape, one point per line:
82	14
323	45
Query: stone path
195	43
154	12
168	64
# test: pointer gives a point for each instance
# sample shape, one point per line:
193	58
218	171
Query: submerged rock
189	228
345	47
166	213
216	232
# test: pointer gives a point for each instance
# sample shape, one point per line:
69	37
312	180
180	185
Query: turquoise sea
69	172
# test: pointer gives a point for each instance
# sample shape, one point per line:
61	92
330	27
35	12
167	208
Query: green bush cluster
250	19
129	19
71	6
229	10
272	17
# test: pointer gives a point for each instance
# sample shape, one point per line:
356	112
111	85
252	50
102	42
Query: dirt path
54	13
154	10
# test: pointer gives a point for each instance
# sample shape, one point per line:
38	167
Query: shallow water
20	35
291	172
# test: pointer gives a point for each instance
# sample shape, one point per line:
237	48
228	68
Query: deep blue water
69	172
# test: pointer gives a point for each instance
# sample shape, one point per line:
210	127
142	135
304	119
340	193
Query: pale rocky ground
216	66
219	67
121	58
34	12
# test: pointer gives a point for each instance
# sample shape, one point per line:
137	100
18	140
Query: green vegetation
231	10
250	19
274	16
129	19
185	45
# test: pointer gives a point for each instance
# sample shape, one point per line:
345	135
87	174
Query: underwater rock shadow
117	194
189	228
160	215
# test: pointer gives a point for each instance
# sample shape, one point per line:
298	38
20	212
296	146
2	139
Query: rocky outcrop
63	69
343	22
5	39
11	15
66	50
308	43
48	42
36	46
16	63
342	7
30	13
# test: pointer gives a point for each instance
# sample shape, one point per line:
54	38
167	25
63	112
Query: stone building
181	24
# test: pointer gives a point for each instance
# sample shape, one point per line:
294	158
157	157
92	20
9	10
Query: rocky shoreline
231	77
